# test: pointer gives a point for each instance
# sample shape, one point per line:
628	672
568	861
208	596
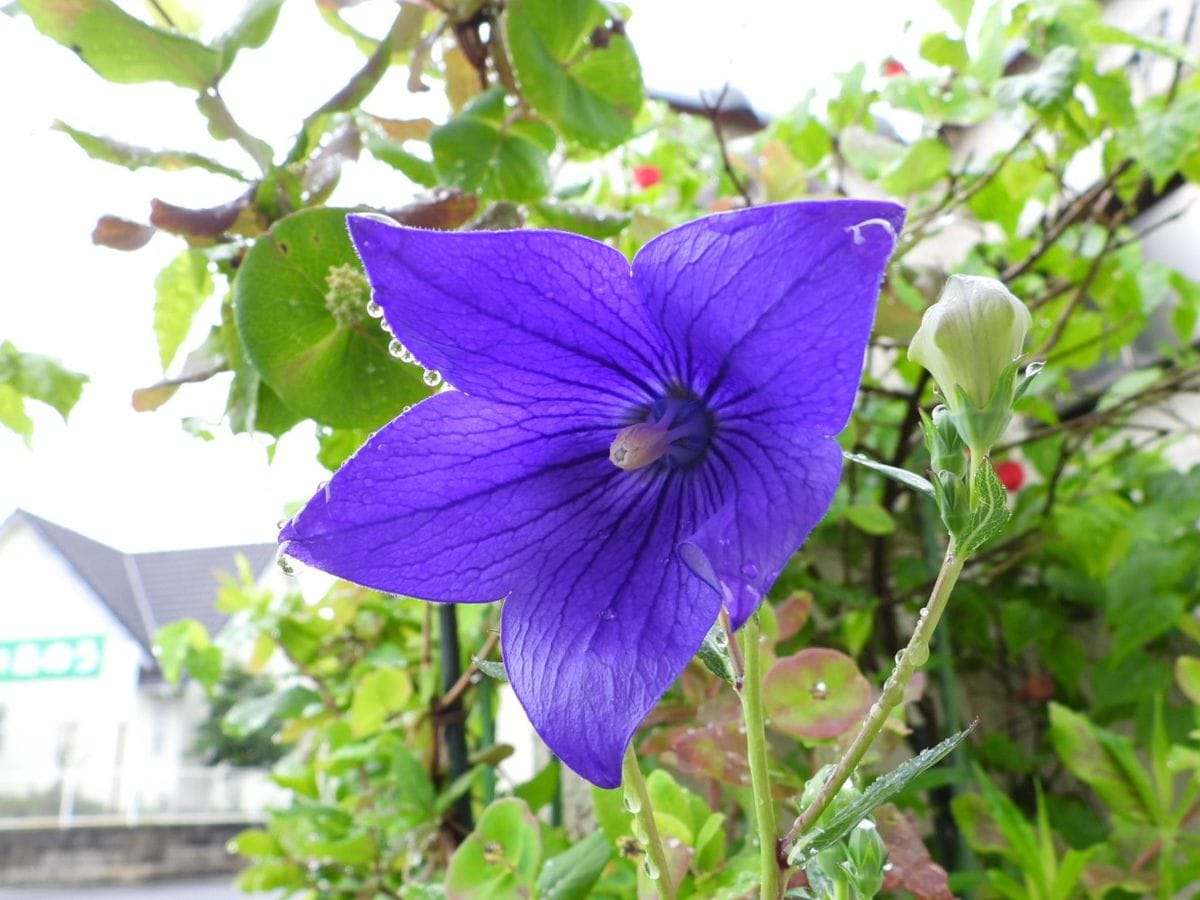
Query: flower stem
756	750
907	662
637	801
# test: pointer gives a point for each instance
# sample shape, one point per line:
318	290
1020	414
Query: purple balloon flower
627	448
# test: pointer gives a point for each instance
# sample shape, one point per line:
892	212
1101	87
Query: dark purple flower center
673	431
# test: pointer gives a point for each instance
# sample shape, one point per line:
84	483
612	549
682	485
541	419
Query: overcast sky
138	481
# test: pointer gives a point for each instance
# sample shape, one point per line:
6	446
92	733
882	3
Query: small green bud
970	336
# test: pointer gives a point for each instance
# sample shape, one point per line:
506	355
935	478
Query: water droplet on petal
396	348
750	571
374	310
608	614
432	377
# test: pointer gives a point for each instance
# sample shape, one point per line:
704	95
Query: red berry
646	176
1011	474
893	67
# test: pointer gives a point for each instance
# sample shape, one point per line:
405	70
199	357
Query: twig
714	111
464	680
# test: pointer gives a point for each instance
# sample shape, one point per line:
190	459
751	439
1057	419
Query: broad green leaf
121	48
571	874
500	858
251	30
180	290
1167	133
248	716
987	63
881	790
590	221
943	50
300	304
923	164
378	694
1187	676
1049	85
816	694
960	11
1106	33
12	412
870	517
539	791
488	149
574	69
1101	760
108	150
39	378
1140	619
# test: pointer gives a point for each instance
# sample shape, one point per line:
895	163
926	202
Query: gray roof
148	590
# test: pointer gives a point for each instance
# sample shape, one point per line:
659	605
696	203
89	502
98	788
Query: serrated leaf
575	69
881	790
909	479
39	378
1049	85
118	153
990	514
121	48
180	290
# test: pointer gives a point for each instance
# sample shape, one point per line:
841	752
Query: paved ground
203	889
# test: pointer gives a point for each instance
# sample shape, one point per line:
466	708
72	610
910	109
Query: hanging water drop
633	803
396	348
749	571
650	868
432	377
920	654
374	310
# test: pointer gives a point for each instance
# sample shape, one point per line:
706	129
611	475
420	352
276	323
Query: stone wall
96	854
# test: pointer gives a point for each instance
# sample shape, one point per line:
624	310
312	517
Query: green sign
67	657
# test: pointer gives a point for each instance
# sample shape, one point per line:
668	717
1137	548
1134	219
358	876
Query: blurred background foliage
1026	146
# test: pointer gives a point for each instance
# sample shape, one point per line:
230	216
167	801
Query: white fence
65	796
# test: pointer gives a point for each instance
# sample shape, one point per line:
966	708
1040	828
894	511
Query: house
87	722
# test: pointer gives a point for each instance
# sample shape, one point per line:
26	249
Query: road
199	889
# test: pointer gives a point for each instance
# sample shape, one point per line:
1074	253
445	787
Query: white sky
138	481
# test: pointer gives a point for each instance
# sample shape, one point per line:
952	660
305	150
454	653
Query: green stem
637	800
907	662
756	750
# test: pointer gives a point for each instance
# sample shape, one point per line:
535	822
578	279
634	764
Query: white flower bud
969	337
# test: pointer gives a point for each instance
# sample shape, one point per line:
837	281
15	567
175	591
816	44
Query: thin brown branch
464	680
718	132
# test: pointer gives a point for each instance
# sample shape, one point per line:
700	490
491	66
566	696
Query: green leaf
297	301
714	653
960	11
180	290
816	694
1104	33
990	514
870	517
1049	85
881	790
499	859
248	716
571	874
910	480
1187	676
486	148
121	48
130	157
923	164
38	378
172	643
590	221
988	62
576	71
1167	133
251	30
379	694
1104	761
943	50
539	791
12	412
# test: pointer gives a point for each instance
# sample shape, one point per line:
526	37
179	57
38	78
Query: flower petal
779	297
593	644
458	499
514	316
780	485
